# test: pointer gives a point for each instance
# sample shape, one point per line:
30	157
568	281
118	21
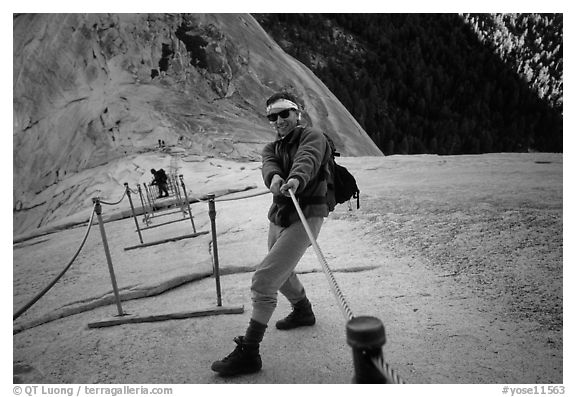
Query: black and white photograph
288	198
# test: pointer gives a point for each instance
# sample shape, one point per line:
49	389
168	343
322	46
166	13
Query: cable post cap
365	332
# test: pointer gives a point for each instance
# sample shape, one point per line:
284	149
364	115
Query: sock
255	332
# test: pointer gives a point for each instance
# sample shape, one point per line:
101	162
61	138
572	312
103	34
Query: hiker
295	160
160	180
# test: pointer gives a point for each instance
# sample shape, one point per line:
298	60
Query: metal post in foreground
212	214
187	202
133	212
366	336
98	210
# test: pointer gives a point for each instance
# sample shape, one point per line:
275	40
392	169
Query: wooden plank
165	223
165	240
157	215
130	319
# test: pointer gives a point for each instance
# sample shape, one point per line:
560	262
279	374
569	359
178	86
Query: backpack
342	185
161	176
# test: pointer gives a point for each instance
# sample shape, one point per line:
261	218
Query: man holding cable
296	160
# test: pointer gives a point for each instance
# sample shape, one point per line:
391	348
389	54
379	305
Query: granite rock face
90	89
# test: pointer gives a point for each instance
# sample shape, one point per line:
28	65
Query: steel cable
384	368
117	202
346	311
45	290
388	372
201	200
241	198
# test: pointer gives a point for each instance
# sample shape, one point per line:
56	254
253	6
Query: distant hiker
160	180
294	161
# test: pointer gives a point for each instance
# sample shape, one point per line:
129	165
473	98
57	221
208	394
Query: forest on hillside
437	83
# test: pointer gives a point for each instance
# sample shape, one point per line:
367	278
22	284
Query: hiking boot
245	359
300	316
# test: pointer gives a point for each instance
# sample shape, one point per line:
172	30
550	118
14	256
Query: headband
281	104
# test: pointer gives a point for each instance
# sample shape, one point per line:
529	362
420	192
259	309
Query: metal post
150	199
179	197
366	336
171	186
187	202
133	212
98	210
146	219
212	214
176	187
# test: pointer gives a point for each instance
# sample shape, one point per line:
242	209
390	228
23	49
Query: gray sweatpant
286	245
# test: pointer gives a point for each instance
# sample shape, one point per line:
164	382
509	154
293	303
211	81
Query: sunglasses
284	114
